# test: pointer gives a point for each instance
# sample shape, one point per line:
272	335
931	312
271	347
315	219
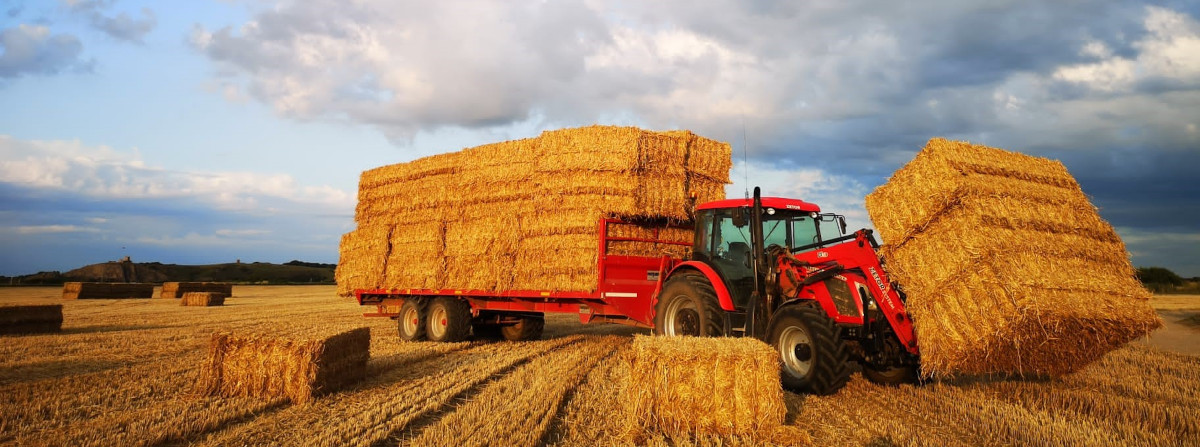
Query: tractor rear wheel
688	305
449	320
813	358
529	328
412	320
891	376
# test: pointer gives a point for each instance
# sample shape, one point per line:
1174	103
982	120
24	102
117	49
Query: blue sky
208	131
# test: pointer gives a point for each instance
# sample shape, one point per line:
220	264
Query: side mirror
739	217
842	223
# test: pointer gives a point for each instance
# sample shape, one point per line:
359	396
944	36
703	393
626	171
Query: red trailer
759	267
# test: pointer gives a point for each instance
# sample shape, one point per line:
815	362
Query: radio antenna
745	158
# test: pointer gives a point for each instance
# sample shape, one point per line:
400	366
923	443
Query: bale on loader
296	366
31	319
473	219
1007	266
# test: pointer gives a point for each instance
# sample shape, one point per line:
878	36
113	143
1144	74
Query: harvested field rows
124	373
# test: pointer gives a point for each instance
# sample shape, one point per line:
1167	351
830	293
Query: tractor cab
724	240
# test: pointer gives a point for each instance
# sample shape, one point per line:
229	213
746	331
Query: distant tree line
1162	280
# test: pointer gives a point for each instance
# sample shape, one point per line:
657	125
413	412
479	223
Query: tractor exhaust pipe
758	312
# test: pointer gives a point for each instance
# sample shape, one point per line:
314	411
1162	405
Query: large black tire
449	320
812	357
688	305
896	376
411	323
529	328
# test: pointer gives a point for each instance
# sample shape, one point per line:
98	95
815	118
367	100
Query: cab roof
767	202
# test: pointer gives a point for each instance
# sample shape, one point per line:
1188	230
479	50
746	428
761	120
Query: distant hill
294	272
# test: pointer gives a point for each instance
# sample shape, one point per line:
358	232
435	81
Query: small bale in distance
298	367
106	290
177	289
202	299
684	386
31	319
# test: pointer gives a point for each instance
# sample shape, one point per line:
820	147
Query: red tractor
771	268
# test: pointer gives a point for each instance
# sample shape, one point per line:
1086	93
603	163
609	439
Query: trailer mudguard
723	296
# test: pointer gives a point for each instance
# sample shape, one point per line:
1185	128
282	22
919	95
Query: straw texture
202	299
1007	265
525	214
682	386
298	367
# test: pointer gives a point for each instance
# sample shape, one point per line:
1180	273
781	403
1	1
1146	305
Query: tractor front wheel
449	320
812	357
688	305
412	320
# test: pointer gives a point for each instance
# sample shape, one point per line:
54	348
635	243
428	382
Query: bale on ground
177	289
298	367
107	290
31	319
1007	266
695	385
202	299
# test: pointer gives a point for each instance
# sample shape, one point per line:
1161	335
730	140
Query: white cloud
102	172
241	233
44	229
1170	51
833	193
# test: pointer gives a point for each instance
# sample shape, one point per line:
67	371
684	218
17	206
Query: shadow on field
113	328
53	369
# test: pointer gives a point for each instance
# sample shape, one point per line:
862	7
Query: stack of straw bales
297	366
31	319
717	386
107	290
177	289
524	214
202	299
1007	265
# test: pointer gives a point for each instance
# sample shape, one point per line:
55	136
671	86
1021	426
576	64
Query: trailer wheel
891	376
688	305
411	323
813	358
529	328
449	320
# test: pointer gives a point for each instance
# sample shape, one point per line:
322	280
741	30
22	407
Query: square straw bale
296	366
707	158
174	289
363	259
592	148
1007	266
683	386
441	164
416	258
31	319
202	299
107	290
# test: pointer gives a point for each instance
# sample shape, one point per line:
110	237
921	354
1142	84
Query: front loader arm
857	252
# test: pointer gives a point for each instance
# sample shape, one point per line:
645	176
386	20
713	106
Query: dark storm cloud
852	88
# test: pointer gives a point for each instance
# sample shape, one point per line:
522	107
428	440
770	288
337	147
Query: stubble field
123	372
